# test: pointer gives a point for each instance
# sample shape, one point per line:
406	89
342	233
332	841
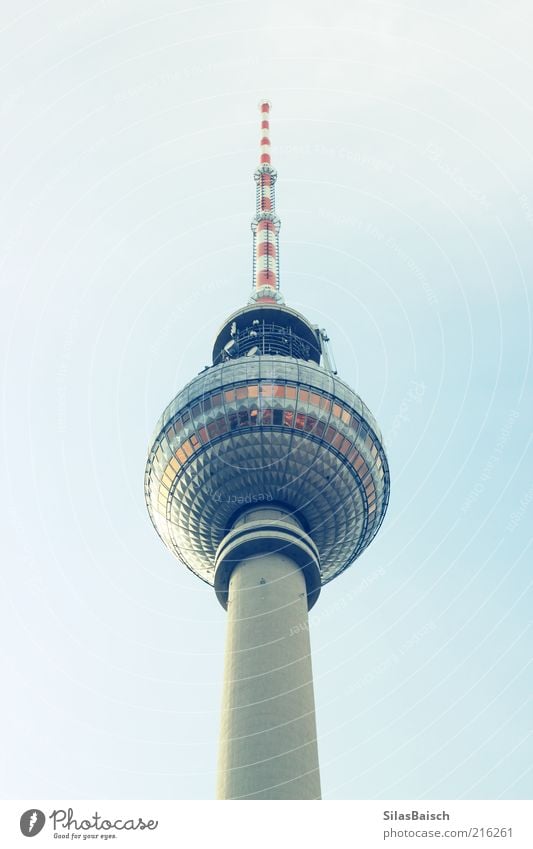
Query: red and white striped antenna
265	224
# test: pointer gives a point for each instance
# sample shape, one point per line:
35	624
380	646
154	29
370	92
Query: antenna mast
265	224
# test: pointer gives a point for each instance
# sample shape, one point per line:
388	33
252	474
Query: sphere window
353	455
337	440
221	425
345	447
330	434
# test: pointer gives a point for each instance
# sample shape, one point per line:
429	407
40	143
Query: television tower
267	478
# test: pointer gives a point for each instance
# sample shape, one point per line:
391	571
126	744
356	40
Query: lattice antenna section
265	224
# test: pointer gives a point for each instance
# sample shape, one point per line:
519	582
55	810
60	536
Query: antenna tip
265	105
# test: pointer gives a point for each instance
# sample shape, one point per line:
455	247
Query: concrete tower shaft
267	573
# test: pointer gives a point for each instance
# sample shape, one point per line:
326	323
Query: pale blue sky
402	134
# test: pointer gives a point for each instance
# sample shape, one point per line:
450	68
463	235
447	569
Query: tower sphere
267	429
268	423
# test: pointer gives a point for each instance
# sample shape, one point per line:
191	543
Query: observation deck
267	329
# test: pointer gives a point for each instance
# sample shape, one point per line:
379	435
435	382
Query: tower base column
267	576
